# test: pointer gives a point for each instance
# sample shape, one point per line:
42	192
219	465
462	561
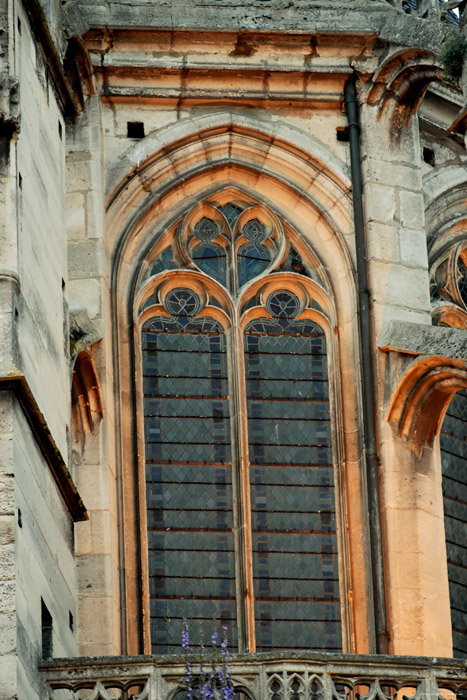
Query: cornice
16	382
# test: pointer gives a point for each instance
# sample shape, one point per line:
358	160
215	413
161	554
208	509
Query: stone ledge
17	383
419	339
304	16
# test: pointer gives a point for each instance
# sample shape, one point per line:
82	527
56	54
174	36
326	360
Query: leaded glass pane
164	261
231	212
188	477
295	565
207	255
253	257
211	259
453	441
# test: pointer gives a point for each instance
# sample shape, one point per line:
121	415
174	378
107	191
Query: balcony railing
278	676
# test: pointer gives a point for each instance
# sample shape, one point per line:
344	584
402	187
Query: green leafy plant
452	57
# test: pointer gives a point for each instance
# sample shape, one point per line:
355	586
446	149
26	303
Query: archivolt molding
442	181
400	83
448	314
446	218
419	402
213	143
449	281
445	193
301	203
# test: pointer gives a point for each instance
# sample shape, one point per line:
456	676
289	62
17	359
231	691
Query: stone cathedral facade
233	368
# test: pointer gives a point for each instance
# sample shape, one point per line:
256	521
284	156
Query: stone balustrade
273	676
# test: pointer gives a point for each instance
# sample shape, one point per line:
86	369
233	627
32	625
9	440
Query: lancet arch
306	223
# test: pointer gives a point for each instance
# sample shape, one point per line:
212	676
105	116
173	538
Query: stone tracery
230	283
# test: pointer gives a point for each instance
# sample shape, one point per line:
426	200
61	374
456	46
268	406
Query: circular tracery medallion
182	302
283	304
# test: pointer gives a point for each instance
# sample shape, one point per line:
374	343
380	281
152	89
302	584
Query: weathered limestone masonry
117	120
37	569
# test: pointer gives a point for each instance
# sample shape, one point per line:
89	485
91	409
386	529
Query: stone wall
36	541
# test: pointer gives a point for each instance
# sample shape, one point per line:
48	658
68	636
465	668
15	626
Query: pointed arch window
240	466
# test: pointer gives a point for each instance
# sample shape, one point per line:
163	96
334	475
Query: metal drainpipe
370	442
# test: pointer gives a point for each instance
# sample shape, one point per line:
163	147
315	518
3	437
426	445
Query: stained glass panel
453	441
253	257
188	477
295	564
207	255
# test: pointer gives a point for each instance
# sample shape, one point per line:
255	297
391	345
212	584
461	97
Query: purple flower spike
185	636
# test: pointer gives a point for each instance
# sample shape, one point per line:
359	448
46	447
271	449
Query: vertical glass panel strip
295	565
188	480
453	441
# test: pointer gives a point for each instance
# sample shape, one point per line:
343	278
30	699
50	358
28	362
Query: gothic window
454	470
240	475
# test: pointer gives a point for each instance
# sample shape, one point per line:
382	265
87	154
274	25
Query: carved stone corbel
9	105
83	332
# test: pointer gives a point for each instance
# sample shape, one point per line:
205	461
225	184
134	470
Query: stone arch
400	83
312	199
446	209
446	217
421	397
86	400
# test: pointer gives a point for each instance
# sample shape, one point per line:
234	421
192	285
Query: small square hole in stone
429	156
135	130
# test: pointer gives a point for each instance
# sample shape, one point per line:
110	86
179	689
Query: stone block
7	562
8	676
75	215
391	172
93	485
95	575
7	596
95	620
94	214
7	633
402	528
407	613
412	212
94	535
78	170
85	294
385	313
7	530
7	499
413	248
382	242
85	259
380	202
398	285
7	400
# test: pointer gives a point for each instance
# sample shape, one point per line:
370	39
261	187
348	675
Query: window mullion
241	493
